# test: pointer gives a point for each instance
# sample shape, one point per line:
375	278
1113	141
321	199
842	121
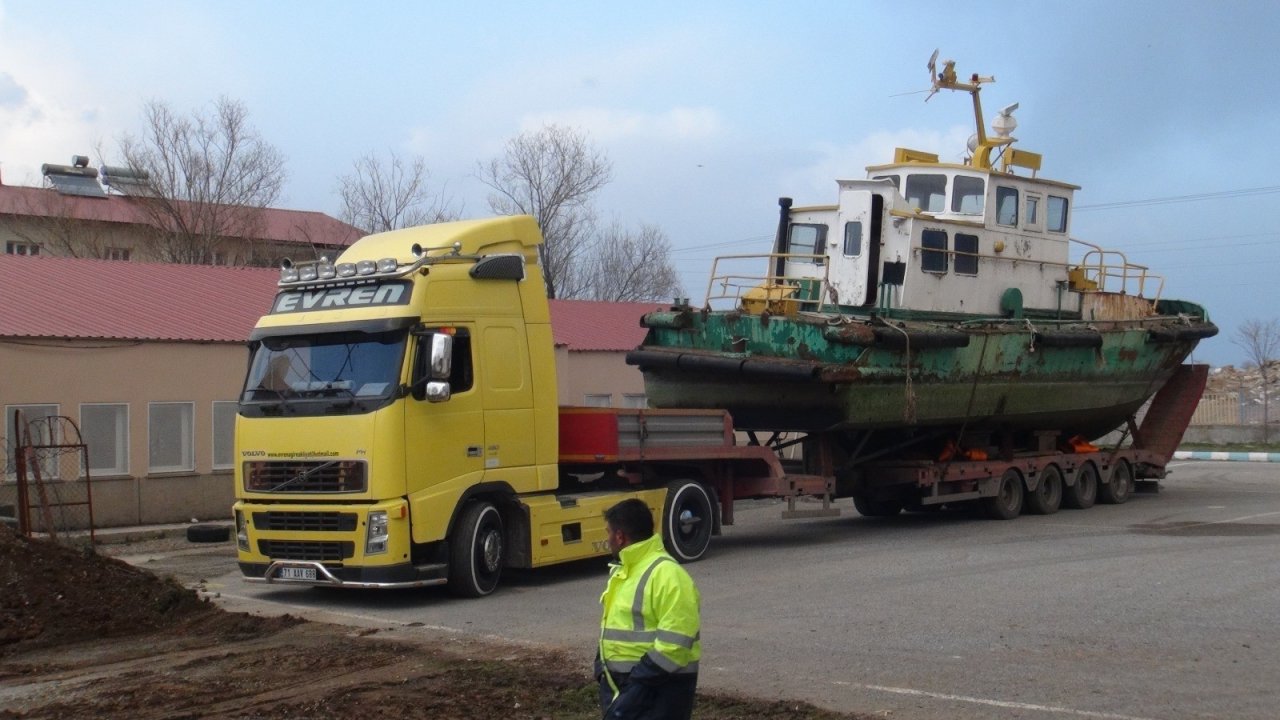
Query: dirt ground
85	635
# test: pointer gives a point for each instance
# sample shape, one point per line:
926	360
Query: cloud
835	161
12	95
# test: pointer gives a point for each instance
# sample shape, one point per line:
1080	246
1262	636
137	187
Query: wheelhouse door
849	250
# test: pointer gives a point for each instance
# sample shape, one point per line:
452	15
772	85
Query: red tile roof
586	325
289	226
58	297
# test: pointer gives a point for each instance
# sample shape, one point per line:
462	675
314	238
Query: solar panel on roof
76	185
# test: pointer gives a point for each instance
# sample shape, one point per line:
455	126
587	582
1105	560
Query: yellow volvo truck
399	425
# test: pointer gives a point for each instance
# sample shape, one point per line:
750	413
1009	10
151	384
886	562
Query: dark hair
632	517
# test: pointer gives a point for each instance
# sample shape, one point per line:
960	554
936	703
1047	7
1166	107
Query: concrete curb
1233	456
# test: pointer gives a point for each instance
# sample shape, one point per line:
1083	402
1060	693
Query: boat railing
728	287
1110	271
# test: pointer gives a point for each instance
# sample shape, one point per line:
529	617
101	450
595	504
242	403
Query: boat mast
947	80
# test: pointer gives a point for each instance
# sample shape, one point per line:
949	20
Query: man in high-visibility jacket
647	664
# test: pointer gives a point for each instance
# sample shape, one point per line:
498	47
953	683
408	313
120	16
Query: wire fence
1233	408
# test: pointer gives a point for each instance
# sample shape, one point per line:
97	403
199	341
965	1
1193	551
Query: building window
966	254
114	253
1057	214
968	195
597	400
1006	206
171	437
104	428
13	433
852	239
927	192
12	247
635	401
933	256
224	432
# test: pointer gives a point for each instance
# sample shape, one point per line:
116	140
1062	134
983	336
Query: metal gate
55	496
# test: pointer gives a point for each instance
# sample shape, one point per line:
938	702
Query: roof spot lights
307	272
366	267
346	270
326	270
387	265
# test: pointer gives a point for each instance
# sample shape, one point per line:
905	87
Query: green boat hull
808	375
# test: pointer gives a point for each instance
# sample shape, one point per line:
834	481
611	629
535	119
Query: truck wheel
1047	497
1006	504
477	551
1117	488
1084	493
688	517
871	507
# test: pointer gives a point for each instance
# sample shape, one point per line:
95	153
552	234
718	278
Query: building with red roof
148	359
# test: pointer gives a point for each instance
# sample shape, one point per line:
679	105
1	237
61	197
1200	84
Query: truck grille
332	476
305	521
293	550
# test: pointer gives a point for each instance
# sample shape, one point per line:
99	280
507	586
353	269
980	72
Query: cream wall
579	374
70	373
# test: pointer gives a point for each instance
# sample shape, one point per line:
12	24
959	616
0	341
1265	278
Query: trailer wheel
1084	492
1006	504
1047	497
871	507
1117	488
477	551
688	518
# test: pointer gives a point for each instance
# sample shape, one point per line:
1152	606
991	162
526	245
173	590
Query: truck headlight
375	540
242	531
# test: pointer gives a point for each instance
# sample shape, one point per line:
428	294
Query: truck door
444	441
506	383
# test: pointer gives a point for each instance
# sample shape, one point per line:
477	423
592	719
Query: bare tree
627	266
209	177
1260	340
387	195
552	175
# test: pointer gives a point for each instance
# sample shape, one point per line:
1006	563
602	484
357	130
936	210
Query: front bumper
386	576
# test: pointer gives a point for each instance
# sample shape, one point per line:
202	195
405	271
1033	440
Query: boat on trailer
932	299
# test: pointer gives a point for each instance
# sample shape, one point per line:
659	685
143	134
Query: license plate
297	573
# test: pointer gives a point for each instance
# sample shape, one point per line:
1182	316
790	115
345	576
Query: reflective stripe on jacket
650	609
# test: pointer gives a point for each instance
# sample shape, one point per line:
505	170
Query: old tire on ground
1084	493
477	551
872	507
1006	504
688	519
1047	497
208	533
1118	486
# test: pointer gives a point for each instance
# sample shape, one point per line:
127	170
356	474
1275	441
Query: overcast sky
709	110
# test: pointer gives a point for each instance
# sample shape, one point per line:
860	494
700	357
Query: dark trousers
669	700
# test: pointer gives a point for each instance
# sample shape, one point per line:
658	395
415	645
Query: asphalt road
1167	607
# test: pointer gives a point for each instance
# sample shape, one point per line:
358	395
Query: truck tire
871	507
477	551
208	533
1047	497
1084	492
1006	504
688	519
1117	487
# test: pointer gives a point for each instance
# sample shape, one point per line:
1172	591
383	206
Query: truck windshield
333	373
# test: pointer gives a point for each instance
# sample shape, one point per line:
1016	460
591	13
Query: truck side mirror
441	356
438	391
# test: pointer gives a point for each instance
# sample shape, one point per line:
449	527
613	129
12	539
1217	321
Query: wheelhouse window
324	374
1006	206
1057	214
966	254
933	253
927	192
805	239
852	238
1032	216
968	195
